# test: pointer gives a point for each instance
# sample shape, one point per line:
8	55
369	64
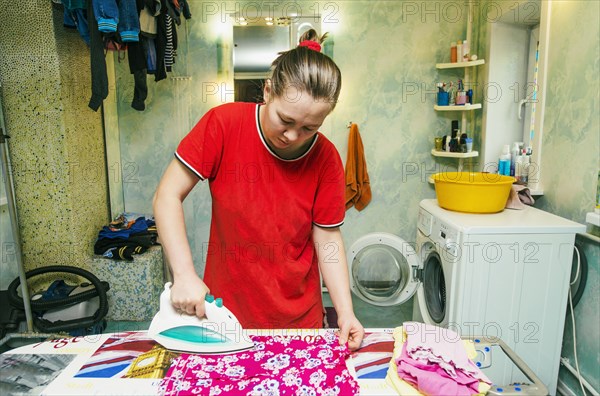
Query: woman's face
290	121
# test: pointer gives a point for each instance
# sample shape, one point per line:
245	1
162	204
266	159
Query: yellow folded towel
358	187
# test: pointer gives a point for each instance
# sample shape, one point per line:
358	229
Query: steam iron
219	332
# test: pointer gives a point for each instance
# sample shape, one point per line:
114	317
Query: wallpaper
571	160
387	53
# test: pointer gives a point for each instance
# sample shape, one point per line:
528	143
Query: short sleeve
200	151
329	208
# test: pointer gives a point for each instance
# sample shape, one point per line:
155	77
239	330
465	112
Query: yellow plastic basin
472	192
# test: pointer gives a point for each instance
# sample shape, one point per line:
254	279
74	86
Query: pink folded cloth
435	361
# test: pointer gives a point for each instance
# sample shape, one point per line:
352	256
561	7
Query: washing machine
504	275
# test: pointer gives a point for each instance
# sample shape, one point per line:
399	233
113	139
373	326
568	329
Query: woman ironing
277	187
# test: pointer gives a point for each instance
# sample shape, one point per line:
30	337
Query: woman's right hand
187	295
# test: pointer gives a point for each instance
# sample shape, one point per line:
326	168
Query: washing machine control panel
425	222
445	237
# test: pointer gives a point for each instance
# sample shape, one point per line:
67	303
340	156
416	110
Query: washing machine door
383	269
433	291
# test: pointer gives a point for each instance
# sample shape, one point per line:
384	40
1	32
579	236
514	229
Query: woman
277	188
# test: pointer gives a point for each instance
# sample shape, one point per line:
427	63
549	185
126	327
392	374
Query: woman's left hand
350	331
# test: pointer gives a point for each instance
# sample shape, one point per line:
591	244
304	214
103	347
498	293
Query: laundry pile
128	234
431	360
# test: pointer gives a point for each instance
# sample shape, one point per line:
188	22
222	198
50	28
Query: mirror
256	43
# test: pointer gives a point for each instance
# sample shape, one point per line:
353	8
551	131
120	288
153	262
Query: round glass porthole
434	287
379	272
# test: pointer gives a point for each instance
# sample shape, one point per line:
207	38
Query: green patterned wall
571	160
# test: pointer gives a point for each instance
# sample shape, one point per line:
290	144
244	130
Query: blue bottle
504	161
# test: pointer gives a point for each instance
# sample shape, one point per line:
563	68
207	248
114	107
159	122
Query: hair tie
310	44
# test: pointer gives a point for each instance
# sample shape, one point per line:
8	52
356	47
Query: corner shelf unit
465	107
466	66
457	65
438	153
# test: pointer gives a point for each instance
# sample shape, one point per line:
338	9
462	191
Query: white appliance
503	275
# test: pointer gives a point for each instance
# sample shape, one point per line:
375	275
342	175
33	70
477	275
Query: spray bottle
514	153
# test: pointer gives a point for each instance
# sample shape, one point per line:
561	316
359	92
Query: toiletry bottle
469	144
461	95
463	143
518	166
465	51
504	161
453	52
454	133
459	51
522	168
454	141
514	153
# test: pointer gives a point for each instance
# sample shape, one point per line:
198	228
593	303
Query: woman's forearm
334	268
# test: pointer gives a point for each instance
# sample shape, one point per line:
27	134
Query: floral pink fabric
277	365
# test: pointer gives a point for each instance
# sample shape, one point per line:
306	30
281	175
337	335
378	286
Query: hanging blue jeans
129	21
107	15
123	16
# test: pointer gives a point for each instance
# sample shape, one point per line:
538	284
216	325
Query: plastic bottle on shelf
459	51
465	51
461	95
504	161
522	168
514	153
453	58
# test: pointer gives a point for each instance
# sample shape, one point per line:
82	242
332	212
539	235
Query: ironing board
133	366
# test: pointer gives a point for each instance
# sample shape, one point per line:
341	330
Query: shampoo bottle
465	51
453	52
504	161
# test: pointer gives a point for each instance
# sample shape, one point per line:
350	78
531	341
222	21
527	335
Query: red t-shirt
260	258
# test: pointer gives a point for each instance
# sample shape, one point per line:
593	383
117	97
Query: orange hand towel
358	188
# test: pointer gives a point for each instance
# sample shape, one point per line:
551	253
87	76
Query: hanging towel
358	188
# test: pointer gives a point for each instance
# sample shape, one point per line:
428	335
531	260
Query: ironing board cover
277	365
